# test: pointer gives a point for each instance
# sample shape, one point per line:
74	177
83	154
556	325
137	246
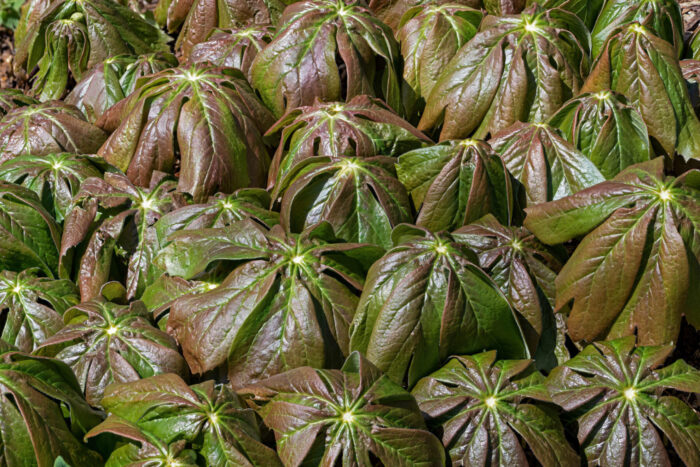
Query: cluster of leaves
330	232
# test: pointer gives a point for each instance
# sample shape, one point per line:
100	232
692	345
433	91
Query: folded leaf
425	300
517	68
12	98
455	183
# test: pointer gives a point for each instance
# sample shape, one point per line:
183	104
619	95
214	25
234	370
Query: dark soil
7	78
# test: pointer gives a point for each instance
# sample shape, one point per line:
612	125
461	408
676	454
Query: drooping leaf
547	166
31	307
150	450
316	40
430	35
29	235
364	127
517	68
616	391
504	7
72	36
55	178
587	10
455	183
632	271
162	293
608	131
12	98
233	48
47	128
661	17
427	299
219	211
523	268
390	12
210	416
41	412
208	116
109	234
644	68
108	82
205	16
288	303
104	343
485	407
361	198
324	417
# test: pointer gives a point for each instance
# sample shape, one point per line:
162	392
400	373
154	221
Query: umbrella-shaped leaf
148	449
319	42
427	299
321	417
517	68
364	127
430	35
55	178
41	412
522	267
288	303
547	166
208	415
455	183
662	17
390	12
608	131
645	68
361	198
616	391
109	233
484	407
631	273
104	343
587	10
47	128
233	48
112	80
208	116
29	235
32	307
72	36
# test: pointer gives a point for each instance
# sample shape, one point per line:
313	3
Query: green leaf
482	405
12	98
360	198
287	303
587	10
29	235
645	68
104	342
620	410
41	412
607	130
301	64
425	300
211	416
112	80
322	416
430	35
631	273
547	165
505	74
662	17
55	178
32	307
455	183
